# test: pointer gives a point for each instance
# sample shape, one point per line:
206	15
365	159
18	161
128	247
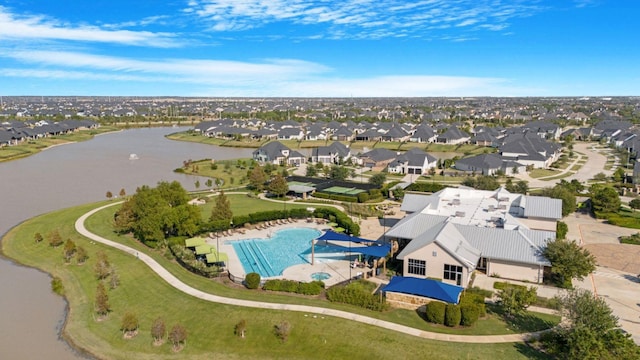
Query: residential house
278	154
488	164
377	159
529	149
453	136
290	133
414	161
423	133
332	154
451	233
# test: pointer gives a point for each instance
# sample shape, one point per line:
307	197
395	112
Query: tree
54	238
109	195
604	199
222	210
338	172
282	330
311	171
158	330
122	193
522	187
378	180
516	299
619	175
102	268
241	328
102	306
178	336
114	279
482	182
38	237
69	250
278	186
197	184
634	204
569	260
129	325
590	331
209	183
563	193
257	178
81	255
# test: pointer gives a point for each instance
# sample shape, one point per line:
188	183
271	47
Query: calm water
30	314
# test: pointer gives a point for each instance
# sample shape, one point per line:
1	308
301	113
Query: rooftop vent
460	213
503	199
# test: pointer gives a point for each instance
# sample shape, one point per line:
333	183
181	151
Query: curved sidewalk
176	283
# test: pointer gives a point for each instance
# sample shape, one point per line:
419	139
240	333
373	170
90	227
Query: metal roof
543	207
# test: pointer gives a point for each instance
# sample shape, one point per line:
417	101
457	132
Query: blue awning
334	236
425	287
375	250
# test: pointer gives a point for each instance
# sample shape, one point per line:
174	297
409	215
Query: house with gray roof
276	153
377	159
414	161
455	231
290	133
453	136
488	164
332	154
423	133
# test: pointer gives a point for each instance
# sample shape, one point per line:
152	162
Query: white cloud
269	77
16	27
361	19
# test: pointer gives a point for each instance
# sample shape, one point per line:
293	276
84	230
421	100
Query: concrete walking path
176	283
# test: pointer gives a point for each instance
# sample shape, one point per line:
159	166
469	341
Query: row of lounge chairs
227	232
268	224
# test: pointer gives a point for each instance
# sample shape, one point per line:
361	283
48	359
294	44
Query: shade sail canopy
334	236
193	242
203	249
425	287
375	250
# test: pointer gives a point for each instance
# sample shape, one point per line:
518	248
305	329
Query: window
417	267
434	253
451	272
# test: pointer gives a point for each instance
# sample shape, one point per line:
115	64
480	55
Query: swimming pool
285	248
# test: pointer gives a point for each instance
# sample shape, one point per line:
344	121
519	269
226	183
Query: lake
31	315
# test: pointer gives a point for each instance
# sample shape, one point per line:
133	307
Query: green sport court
343	190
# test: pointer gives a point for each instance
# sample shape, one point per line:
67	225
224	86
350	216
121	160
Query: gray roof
380	154
412	202
544	207
446	235
482	161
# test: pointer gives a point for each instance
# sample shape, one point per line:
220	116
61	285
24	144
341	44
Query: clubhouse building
451	233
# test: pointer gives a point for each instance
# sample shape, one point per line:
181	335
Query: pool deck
339	270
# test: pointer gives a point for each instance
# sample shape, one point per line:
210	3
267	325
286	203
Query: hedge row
356	296
500	285
425	187
466	313
311	288
342	219
270	215
345	198
186	258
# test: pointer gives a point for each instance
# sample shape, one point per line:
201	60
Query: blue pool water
285	248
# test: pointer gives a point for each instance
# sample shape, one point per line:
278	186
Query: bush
500	285
355	294
311	288
425	187
476	300
469	314
363	197
435	312
252	280
452	315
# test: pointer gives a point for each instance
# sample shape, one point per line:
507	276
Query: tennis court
343	190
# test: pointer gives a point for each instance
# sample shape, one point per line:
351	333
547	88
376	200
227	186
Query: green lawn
210	325
244	205
540	173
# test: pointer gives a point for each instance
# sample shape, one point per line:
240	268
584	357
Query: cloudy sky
320	48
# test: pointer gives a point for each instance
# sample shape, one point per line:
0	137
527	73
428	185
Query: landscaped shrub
355	294
452	315
434	312
425	187
476	300
252	280
342	219
311	288
469	314
363	197
503	285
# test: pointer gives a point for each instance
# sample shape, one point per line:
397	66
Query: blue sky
320	48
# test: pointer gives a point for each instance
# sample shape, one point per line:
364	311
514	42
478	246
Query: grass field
210	326
541	173
244	205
